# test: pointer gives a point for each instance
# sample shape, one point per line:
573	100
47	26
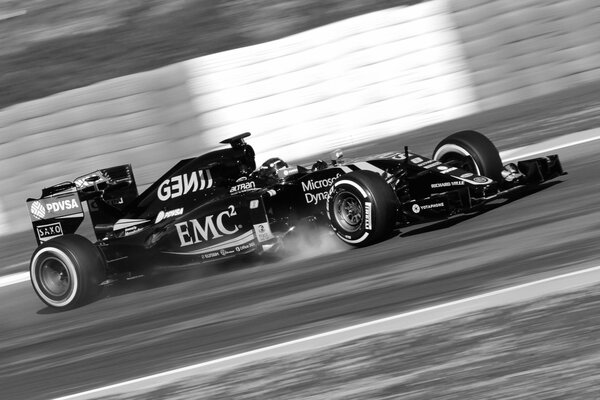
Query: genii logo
212	227
179	185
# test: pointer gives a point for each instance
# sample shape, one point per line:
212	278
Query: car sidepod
228	227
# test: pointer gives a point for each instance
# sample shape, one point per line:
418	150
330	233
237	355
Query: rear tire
362	208
471	151
66	272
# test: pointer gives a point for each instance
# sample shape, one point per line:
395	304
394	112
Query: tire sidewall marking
344	236
351	183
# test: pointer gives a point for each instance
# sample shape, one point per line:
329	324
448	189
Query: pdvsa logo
180	185
37	210
211	227
162	215
55	207
62	205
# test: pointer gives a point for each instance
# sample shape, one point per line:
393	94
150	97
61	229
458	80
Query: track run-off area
536	245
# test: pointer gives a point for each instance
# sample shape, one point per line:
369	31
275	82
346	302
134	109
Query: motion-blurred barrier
357	80
518	50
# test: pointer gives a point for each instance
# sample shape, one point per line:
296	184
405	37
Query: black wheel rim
54	277
348	211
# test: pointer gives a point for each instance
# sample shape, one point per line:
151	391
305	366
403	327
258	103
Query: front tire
66	272
471	151
362	208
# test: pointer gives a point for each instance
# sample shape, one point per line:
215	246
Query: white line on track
18	277
561	142
13	279
515	294
557	143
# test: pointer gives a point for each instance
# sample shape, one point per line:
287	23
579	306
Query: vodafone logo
37	210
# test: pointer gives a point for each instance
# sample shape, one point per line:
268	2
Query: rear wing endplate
55	215
59	211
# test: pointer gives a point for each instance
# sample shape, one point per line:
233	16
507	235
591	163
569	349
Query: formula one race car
219	205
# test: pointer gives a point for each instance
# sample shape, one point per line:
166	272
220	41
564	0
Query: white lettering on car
162	215
320	184
196	231
180	185
242	187
49	231
446	184
315	198
310	185
62	205
428	206
246	246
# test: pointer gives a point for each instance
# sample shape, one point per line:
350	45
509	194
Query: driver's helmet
269	168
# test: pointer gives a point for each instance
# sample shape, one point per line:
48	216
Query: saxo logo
49	231
179	185
212	227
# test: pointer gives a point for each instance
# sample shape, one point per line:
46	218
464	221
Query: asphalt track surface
143	328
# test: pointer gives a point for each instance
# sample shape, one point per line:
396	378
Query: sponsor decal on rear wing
55	207
56	215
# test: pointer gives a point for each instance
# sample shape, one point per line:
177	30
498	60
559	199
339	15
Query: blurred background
91	84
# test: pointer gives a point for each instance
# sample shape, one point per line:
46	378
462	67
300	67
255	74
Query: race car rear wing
59	210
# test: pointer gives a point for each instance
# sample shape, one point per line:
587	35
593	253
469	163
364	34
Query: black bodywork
219	205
